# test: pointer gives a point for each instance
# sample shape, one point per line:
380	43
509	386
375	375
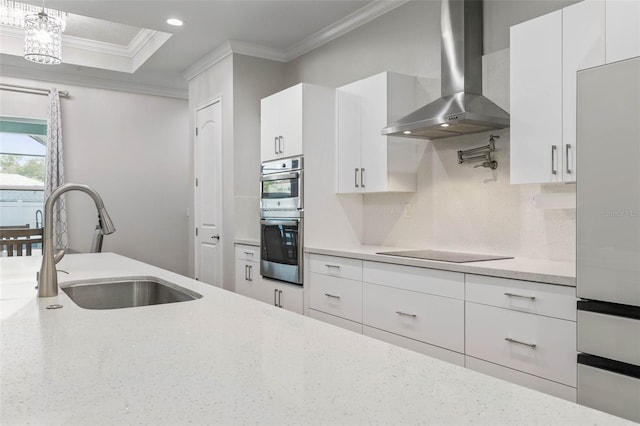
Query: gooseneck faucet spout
48	278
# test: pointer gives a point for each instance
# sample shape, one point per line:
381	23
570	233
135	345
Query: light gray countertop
539	270
227	359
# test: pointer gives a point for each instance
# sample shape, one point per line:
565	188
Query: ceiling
274	29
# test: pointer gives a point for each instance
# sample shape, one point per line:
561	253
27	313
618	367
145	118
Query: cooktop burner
445	256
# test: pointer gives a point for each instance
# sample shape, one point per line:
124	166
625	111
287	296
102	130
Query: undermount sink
128	292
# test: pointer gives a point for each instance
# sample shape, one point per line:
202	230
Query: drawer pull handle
333	296
248	253
406	314
510	340
520	296
332	266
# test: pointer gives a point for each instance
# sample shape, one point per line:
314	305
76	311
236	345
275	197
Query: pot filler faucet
48	277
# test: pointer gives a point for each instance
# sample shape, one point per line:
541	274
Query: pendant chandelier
42	30
42	38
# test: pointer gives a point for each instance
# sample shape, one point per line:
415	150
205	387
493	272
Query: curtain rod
32	90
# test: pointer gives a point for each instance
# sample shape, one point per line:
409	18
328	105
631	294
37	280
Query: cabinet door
373	155
248	279
269	128
348	142
536	100
290	121
623	29
583	43
286	296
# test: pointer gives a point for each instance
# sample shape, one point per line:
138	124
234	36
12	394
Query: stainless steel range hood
462	109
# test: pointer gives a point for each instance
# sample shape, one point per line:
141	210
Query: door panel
208	198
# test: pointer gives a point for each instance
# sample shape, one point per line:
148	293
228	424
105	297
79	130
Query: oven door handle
279	176
288	222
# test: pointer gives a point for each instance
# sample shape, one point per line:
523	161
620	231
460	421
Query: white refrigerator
608	238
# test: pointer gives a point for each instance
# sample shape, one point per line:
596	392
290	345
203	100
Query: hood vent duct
462	109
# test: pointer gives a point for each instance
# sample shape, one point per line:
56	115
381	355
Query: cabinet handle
567	148
250	269
248	253
280	298
362	177
332	296
554	148
332	266
406	314
510	340
280	144
275	297
275	145
246	275
355	177
520	296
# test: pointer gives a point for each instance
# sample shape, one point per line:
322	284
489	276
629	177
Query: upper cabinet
623	29
546	54
366	160
281	124
536	99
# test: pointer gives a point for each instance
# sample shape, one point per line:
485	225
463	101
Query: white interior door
208	190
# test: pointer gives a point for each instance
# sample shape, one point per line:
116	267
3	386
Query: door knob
217	237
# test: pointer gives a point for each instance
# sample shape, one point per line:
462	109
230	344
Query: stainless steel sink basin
126	292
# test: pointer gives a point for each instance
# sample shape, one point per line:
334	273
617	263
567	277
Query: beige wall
133	149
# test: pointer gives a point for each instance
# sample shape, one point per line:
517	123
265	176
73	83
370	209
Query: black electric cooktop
445	256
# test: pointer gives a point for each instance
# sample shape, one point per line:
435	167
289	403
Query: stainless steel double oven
281	220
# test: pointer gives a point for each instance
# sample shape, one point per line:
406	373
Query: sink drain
54	306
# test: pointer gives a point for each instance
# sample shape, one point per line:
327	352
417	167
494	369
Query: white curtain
55	169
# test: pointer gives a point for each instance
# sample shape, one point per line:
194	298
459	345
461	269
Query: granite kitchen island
227	359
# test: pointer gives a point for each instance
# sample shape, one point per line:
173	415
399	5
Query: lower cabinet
250	283
282	295
519	331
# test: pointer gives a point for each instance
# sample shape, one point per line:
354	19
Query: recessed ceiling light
407	132
445	125
175	22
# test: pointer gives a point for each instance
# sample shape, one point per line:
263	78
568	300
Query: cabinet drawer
538	345
356	327
609	392
336	296
432	319
526	296
336	266
250	253
416	346
608	336
522	379
431	281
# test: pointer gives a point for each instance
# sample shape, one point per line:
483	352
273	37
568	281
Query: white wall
133	149
455	207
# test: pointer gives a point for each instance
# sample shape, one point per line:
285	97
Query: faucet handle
58	256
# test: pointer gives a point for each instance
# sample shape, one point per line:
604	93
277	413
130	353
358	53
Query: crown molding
53	76
348	23
343	26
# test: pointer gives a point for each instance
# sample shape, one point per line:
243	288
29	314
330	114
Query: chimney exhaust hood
462	109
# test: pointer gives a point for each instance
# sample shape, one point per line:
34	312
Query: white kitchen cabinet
281	122
282	295
583	46
623	29
523	332
536	100
421	304
368	161
335	288
248	279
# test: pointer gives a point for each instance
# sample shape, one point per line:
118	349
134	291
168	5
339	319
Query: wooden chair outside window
19	240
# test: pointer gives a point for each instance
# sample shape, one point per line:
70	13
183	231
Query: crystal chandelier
42	30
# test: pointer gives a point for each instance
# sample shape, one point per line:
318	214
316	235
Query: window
22	170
